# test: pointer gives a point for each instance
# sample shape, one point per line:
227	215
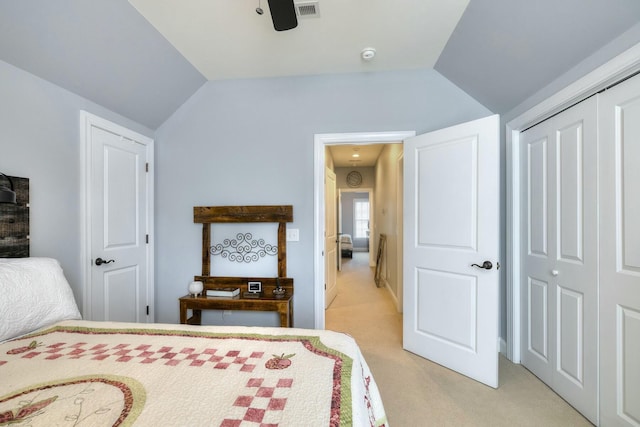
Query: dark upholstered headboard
14	222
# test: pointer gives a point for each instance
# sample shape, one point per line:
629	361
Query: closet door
559	254
619	154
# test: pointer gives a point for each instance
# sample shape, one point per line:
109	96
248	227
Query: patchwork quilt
83	373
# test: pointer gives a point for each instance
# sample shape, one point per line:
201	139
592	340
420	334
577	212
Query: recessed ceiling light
355	155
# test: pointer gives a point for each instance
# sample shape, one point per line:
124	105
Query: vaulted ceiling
144	58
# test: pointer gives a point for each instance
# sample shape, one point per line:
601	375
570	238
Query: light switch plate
293	235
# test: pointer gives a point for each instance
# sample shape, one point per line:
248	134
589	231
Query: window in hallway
361	218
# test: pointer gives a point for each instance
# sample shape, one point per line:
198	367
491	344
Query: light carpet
417	392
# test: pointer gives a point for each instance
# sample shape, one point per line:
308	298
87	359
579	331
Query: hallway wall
387	218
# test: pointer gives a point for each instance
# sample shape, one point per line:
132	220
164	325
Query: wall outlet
227	312
293	235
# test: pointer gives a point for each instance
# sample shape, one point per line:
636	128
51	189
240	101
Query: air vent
307	9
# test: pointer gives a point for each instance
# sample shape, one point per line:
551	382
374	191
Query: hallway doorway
386	190
355	215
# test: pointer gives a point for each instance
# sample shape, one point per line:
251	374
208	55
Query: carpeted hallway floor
417	392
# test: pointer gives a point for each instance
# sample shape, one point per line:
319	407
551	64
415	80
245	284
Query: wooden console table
207	215
283	305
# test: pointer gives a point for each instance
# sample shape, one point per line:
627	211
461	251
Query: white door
399	232
451	221
559	254
619	161
331	238
120	287
339	225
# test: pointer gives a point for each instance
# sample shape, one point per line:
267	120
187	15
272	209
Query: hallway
417	392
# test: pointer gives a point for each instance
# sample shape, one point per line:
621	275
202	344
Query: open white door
451	222
339	225
331	239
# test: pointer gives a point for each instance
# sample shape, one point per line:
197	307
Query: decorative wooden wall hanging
14	222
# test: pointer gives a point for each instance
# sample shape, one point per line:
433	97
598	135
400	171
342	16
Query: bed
346	246
56	369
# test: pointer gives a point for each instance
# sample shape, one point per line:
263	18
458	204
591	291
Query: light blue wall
40	140
615	47
245	142
625	41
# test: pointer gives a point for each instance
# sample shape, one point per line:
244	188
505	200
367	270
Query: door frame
320	141
618	68
87	121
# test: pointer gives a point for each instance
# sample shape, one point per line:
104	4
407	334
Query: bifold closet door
558	167
619	156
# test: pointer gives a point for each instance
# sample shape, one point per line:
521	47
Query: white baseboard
393	296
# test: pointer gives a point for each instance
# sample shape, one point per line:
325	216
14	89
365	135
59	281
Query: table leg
183	312
291	313
284	317
196	318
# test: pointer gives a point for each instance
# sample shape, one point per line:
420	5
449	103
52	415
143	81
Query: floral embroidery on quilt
279	362
24	348
91	400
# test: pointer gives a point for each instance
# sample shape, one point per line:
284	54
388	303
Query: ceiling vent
307	9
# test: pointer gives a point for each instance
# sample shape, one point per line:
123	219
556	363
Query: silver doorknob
554	272
487	265
100	261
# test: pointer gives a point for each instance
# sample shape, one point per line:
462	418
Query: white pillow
33	293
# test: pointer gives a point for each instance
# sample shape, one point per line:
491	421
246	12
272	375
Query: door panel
458	292
537	197
570	333
538	333
629	375
451	308
559	261
121	217
619	156
629	176
570	199
446	221
120	298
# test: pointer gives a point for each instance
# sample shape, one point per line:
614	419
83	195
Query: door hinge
325	286
147	310
146	167
147	239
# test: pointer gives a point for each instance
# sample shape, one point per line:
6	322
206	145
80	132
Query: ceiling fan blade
283	14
